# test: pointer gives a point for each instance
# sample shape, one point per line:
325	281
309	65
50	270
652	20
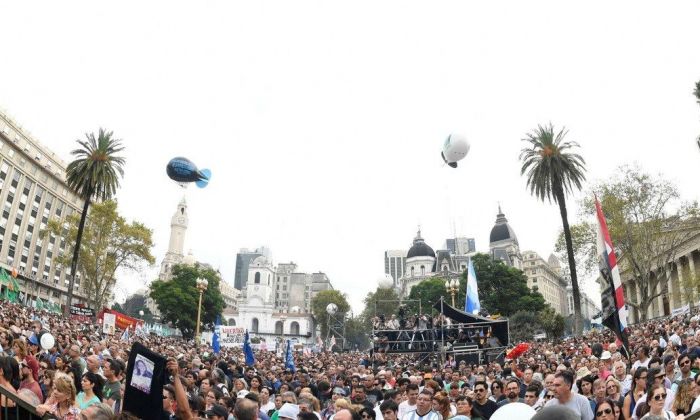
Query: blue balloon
181	169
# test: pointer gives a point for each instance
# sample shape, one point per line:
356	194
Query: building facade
503	244
545	277
33	190
243	259
176	245
394	263
589	308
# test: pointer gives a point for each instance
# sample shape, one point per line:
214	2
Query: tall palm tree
553	171
95	172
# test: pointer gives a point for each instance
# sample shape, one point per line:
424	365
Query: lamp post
452	287
202	287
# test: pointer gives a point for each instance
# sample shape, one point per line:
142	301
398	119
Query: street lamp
202	287
452	287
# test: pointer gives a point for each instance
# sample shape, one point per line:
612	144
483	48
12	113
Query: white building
589	308
503	244
178	229
545	277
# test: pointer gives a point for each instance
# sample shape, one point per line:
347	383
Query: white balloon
386	282
456	148
514	411
47	341
332	308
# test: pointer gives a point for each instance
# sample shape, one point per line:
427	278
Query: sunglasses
687	362
366	416
603	412
659	397
548	397
659	376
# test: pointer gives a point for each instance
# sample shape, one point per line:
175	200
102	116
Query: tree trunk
561	200
76	253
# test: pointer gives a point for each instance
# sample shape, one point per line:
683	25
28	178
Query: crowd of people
82	377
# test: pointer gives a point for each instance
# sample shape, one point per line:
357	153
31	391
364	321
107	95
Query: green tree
553	323
321	301
647	222
503	289
109	244
523	325
584	240
553	171
356	334
427	292
117	307
95	172
177	299
380	302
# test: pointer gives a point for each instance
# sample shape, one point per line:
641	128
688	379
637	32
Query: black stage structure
461	336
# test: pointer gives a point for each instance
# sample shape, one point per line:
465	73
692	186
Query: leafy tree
503	289
381	301
323	299
356	334
109	244
95	172
427	292
647	222
583	239
523	325
177	298
552	322
553	171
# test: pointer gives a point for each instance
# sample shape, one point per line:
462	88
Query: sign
108	323
81	311
145	377
681	310
231	336
122	321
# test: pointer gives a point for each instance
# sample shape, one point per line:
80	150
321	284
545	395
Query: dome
189	259
260	261
420	248
502	231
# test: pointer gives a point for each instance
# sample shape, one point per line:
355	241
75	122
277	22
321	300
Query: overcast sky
322	122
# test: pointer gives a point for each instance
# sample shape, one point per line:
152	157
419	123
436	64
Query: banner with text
231	336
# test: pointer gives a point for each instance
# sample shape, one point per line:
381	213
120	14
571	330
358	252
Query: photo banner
108	323
143	387
122	321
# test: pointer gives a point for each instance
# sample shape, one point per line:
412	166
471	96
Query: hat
33	365
605	356
217	410
33	340
242	393
339	390
582	372
289	411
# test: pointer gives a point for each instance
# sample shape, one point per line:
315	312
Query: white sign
109	322
681	310
231	336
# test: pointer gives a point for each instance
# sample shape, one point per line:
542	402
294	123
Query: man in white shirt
563	396
424	408
410	403
642	358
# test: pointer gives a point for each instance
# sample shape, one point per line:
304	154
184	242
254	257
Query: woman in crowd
606	410
367	414
91	393
6	383
255	384
211	397
441	404
613	391
62	401
684	397
598	392
266	403
656	397
239	384
496	391
47	383
585	386
639	383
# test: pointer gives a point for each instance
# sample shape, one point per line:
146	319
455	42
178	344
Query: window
422	270
257	278
294	328
254	325
279	327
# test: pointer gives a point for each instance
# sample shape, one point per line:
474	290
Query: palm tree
94	173
553	171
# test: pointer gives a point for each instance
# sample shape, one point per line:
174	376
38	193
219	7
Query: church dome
502	231
420	248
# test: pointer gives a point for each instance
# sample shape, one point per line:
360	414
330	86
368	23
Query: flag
289	358
215	338
39	304
249	356
125	334
472	305
614	312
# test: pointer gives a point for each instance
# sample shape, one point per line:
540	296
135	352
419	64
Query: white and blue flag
472	305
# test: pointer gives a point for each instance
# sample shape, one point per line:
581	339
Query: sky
322	121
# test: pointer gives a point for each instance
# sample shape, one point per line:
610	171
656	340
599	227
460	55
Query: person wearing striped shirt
424	408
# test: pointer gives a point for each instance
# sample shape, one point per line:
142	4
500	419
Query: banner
231	336
108	323
123	321
681	310
81	311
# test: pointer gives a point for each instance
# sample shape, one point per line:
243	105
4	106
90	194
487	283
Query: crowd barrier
22	409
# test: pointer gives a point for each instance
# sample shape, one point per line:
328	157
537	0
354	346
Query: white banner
108	323
681	310
231	336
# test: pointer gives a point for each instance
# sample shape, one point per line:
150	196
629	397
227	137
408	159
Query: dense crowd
586	377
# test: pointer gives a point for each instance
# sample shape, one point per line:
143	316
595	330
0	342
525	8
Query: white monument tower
178	228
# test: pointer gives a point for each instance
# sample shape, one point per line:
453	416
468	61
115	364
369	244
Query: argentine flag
472	305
